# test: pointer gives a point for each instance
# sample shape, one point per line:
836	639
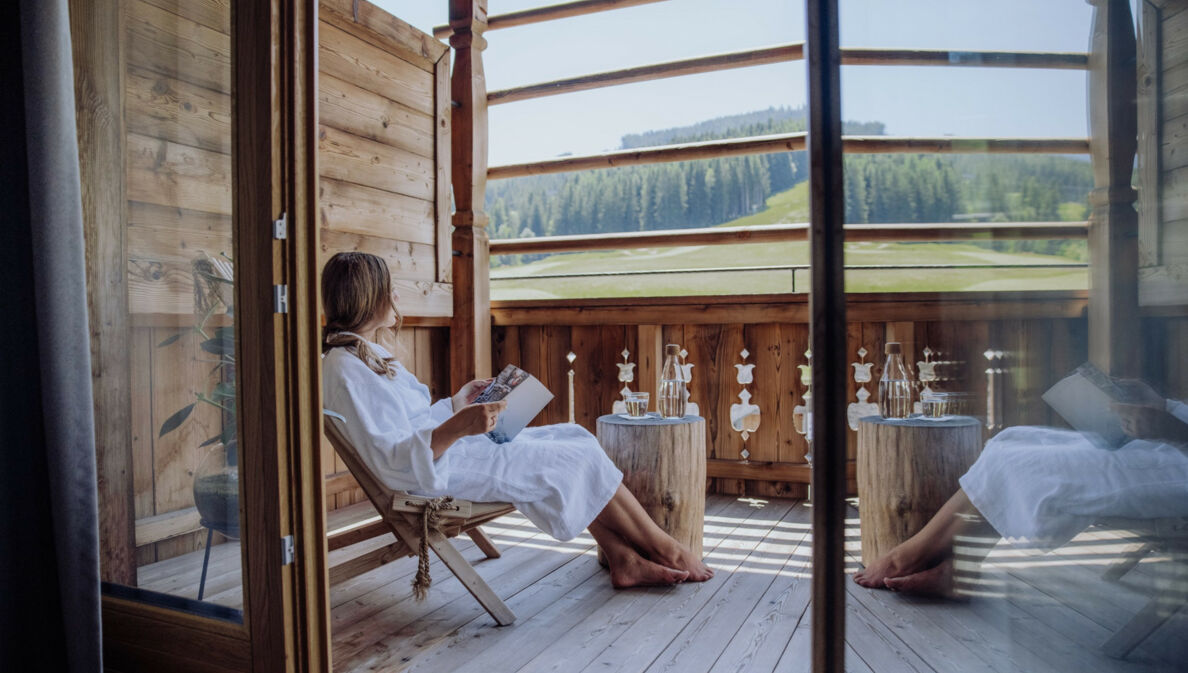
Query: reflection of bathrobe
557	475
1047	484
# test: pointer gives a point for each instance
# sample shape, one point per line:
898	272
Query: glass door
184	169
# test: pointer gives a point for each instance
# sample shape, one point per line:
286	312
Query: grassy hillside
787	206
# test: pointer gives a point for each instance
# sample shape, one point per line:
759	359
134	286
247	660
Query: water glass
637	404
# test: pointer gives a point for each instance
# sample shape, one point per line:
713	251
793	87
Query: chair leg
483	542
1137	629
469	578
1128	562
205	563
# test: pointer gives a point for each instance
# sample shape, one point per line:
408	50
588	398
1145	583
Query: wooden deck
1030	612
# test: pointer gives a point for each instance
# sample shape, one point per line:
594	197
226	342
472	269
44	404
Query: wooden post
99	91
470	330
1113	224
827	306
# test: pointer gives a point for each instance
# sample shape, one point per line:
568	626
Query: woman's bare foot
898	562
679	556
937	581
636	571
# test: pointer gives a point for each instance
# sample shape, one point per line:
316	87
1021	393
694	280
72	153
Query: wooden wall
177	119
383	153
1163	151
1043	338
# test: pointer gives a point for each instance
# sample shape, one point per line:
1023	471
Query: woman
1043	486
557	475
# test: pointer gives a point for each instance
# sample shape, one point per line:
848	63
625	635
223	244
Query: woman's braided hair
356	287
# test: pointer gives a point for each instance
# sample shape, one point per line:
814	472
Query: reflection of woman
1045	485
557	475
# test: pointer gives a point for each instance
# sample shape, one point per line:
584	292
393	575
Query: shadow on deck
1032	612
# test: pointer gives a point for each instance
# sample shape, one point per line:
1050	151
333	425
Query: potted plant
216	481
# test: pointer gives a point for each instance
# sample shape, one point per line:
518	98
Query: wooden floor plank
551	606
1054	632
637	647
752	619
364	635
699	645
623	610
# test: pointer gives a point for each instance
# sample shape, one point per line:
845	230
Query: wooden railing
792	52
792	232
1041	335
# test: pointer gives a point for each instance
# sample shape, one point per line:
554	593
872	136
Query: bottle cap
892	348
672	349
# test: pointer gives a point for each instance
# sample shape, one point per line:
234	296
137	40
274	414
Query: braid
384	366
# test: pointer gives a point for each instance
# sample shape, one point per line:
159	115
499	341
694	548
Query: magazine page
526	396
1083	398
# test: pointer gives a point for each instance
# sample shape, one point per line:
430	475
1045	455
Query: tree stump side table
907	469
663	464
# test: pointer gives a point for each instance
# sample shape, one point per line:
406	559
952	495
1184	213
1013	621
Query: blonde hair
356	287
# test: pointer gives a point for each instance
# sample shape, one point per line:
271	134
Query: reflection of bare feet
895	563
636	571
936	581
679	556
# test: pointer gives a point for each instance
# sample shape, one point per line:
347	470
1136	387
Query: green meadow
537	279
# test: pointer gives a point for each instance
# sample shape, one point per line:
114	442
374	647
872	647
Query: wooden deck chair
402	512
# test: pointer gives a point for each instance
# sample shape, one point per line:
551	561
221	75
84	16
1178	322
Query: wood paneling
178	47
1041	349
1163	153
98	81
351	59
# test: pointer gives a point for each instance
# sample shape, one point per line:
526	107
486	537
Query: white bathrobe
1044	485
557	475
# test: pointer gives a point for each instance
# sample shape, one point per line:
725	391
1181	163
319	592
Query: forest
879	188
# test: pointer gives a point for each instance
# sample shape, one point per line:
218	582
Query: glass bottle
670	398
895	388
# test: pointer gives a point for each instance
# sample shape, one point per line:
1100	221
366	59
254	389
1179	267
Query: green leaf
228	433
222	345
171	339
212	440
176	419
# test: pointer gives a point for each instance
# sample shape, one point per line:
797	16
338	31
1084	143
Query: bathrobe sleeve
390	422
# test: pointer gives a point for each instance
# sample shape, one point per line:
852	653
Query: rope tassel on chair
429	517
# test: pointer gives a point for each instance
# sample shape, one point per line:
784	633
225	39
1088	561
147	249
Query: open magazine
525	396
1083	398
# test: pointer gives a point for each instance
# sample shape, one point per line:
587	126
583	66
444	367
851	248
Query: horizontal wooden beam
791	52
765	471
710	149
645	73
548	13
793	232
790	308
164	526
790	142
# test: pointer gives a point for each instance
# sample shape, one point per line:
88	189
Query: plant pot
216	490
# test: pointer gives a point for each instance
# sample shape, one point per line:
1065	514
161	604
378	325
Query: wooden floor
1027	612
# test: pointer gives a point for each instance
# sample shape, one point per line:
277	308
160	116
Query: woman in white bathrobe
557	475
1041	486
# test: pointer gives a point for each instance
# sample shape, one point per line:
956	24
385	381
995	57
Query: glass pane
1022	483
165	241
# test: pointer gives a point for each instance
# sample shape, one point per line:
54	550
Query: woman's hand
1143	421
471	390
473	419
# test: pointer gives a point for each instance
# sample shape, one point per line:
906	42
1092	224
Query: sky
926	101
